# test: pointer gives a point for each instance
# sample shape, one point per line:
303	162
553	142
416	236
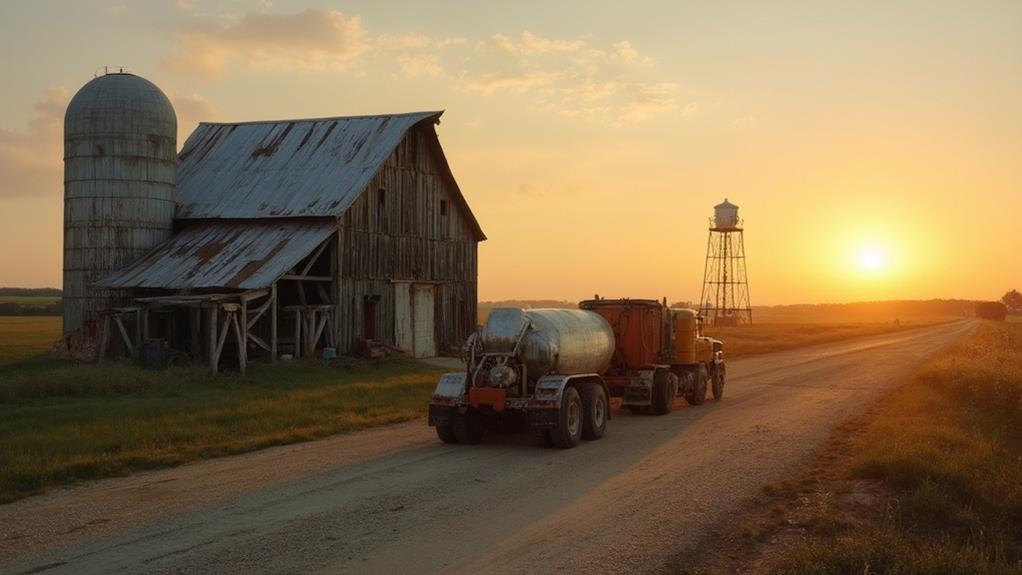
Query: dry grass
770	337
23	337
947	448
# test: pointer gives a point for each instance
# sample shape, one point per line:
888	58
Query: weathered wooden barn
292	236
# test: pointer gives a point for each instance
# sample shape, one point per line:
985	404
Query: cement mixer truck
554	371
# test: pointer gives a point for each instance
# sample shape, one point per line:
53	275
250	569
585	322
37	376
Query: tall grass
61	423
949	447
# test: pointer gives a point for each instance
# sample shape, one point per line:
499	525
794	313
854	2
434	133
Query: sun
872	259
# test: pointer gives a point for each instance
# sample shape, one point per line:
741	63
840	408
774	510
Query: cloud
309	40
490	82
31	160
420	65
572	77
413	41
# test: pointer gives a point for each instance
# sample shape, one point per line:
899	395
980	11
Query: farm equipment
554	371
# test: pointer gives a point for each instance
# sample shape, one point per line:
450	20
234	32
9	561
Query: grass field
769	337
23	337
946	449
61	423
36	301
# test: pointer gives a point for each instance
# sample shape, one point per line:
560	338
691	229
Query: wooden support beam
195	329
239	334
273	323
298	334
243	334
105	342
124	335
315	256
214	357
304	278
258	341
259	311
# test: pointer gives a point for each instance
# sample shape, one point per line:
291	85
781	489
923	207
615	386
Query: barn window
443	207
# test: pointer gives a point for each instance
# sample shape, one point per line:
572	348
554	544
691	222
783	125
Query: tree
994	310
1013	299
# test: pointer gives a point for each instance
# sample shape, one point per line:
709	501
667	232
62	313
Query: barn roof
291	168
238	254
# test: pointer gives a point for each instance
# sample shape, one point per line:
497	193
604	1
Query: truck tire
665	388
719	376
596	408
568	432
467	428
446	434
697	396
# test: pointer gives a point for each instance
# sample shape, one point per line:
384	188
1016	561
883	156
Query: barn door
403	336
424	344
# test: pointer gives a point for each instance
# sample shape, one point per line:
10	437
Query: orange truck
553	371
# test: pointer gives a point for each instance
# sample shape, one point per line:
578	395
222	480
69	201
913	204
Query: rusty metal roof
241	255
291	168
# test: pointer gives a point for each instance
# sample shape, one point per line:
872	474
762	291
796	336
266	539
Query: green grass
948	447
24	337
61	423
30	300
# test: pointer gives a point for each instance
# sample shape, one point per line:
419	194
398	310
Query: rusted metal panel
240	255
286	169
120	155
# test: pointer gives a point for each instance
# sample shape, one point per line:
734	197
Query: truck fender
450	388
550	388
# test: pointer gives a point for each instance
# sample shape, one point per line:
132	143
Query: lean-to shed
290	236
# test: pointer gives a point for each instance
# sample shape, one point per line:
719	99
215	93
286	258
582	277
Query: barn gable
289	169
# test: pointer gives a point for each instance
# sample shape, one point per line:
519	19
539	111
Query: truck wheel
467	428
697	396
568	432
446	434
665	388
719	375
596	408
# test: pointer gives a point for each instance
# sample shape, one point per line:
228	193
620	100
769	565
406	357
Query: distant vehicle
553	371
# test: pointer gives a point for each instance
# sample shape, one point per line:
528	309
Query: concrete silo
120	157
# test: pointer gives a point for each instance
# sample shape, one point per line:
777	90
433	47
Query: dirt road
395	500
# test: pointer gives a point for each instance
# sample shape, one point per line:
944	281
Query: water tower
120	158
725	297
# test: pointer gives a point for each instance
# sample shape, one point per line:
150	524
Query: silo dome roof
116	103
725	204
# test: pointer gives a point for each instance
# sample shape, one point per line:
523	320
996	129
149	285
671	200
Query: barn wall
399	231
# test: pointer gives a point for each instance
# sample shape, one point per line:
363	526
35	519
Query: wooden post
144	310
214	357
273	323
195	327
243	334
105	342
239	333
298	334
139	329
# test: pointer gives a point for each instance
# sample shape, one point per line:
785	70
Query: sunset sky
874	148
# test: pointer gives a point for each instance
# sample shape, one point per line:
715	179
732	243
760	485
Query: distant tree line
12	308
30	292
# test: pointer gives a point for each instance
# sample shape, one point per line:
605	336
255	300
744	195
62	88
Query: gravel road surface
395	500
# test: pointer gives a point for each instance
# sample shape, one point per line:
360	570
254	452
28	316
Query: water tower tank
725	216
120	157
